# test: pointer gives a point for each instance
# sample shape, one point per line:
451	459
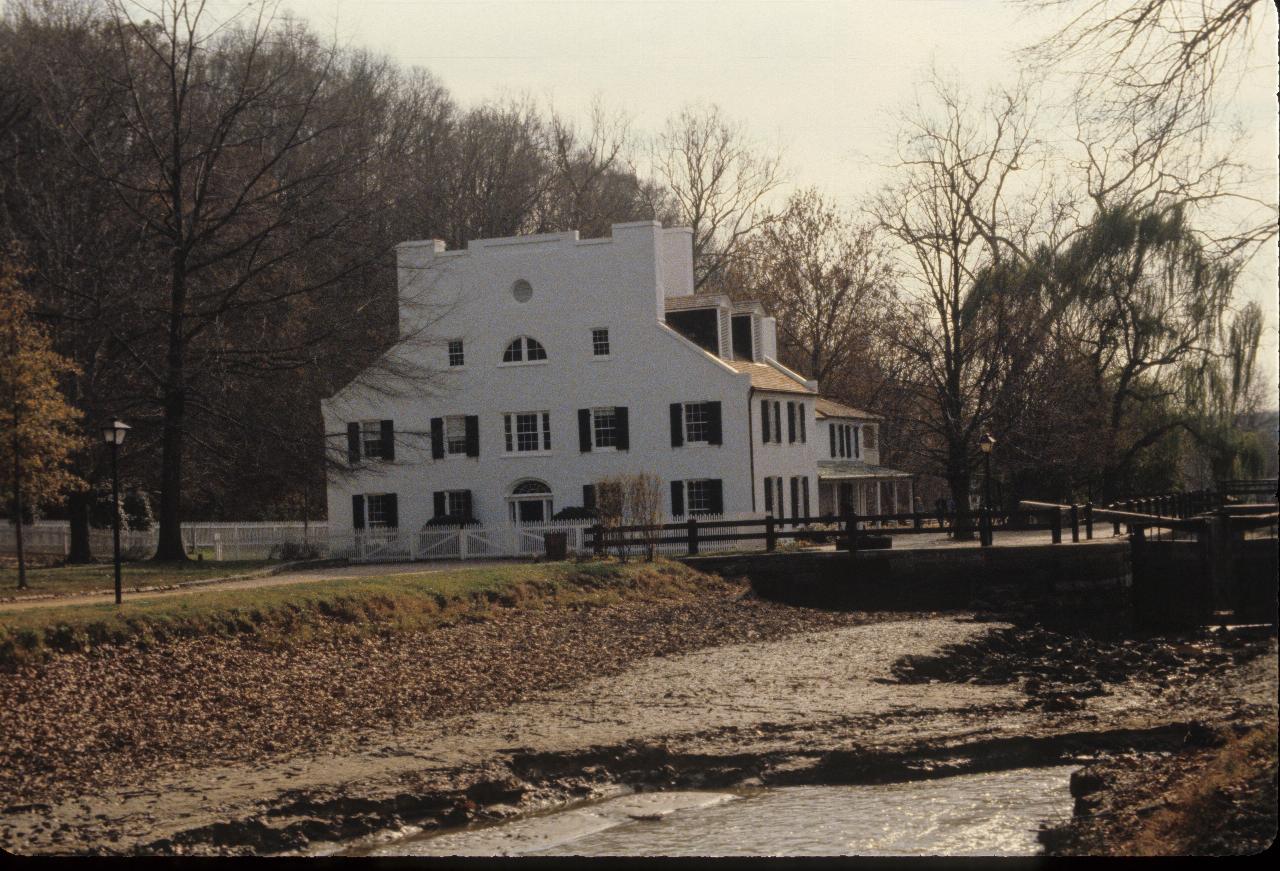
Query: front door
531	511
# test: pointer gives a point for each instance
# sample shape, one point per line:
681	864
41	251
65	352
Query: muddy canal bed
998	814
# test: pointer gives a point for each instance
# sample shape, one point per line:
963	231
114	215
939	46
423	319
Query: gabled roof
830	408
766	377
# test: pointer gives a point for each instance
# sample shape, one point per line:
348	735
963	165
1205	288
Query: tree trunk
958	479
17	503
78	505
170	545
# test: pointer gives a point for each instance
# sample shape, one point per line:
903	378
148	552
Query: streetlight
987	443
114	436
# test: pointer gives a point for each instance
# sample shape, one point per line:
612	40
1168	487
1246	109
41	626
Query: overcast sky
823	77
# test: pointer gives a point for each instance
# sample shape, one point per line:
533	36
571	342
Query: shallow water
981	814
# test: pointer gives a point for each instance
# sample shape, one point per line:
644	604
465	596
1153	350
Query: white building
567	360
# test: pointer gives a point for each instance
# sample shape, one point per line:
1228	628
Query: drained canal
996	814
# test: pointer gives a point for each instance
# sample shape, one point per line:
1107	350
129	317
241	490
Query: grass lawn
101	576
402	602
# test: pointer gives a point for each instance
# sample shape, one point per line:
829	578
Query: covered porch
857	486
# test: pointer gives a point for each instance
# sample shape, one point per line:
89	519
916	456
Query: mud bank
842	705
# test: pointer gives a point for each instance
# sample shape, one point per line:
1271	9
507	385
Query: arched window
524	350
530	502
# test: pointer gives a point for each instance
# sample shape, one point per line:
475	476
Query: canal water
996	814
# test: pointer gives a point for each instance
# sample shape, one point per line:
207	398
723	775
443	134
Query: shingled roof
830	408
766	377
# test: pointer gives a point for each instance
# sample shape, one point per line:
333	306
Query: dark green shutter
589	496
584	430
391	510
677	424
677	498
473	435
715	496
437	500
357	512
764	419
623	428
388	439
353	443
791	422
714	436
437	438
804	436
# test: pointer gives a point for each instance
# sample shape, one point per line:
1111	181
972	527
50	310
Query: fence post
851	531
1088	520
692	525
1055	525
770	534
1075	523
917	520
984	533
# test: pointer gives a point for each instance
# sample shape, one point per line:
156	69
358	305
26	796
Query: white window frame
461	354
367	427
369	522
454	502
522	349
596	343
511	433
596	414
684	420
455	432
703	495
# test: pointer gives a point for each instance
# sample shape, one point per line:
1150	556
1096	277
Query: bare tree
963	329
719	182
644	506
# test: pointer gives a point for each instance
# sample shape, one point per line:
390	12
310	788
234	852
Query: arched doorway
530	502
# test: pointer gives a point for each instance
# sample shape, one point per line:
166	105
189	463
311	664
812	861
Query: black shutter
584	430
714	436
677	498
391	510
804	494
777	422
764	420
388	440
466	506
768	495
437	438
791	422
353	443
438	503
831	428
473	435
715	496
857	438
623	428
589	496
795	497
804	436
677	425
357	512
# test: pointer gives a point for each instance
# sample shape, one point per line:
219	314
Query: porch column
876	484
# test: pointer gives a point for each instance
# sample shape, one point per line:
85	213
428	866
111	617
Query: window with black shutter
473	435
791	422
388	437
715	433
677	498
621	421
764	421
804	494
804	437
677	425
584	430
777	421
437	438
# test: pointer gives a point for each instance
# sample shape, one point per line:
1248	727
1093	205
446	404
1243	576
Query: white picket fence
246	541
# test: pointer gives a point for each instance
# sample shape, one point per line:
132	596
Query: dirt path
299	576
779	708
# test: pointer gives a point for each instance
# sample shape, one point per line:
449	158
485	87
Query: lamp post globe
113	434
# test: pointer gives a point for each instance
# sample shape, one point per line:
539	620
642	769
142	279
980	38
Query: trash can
557	544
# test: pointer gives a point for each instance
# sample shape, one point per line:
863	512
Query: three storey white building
567	360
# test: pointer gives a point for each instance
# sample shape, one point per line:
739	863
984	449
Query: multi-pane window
371	438
457	503
524	350
456	355
455	435
869	436
604	427
600	342
697	422
527	432
378	510
698	496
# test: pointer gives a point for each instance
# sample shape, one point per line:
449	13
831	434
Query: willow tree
40	429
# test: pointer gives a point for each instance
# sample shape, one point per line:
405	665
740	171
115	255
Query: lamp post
986	443
114	436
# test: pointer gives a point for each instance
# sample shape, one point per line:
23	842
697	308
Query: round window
522	290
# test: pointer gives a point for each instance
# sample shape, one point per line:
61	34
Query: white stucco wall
578	285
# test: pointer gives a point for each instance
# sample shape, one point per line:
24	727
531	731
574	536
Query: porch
863	488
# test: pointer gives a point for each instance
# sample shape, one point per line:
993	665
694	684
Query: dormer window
524	350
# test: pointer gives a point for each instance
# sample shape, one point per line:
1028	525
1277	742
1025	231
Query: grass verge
284	614
67	580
